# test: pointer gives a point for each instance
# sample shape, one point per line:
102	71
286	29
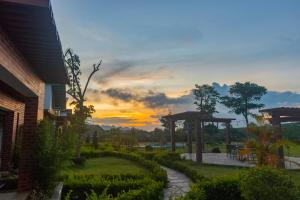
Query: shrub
216	150
79	161
48	155
268	184
116	187
148	148
215	189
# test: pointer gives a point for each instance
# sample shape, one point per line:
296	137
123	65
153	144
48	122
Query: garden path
178	184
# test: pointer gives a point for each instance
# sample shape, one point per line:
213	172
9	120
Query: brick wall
14	62
28	139
13	119
30	109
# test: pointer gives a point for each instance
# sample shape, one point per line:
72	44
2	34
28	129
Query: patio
224	159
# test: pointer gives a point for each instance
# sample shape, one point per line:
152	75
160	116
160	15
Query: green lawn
105	166
293	150
210	171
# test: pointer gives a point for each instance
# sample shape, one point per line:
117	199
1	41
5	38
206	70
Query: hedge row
169	159
215	189
118	188
253	184
156	171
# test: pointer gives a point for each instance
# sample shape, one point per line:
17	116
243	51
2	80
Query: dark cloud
120	94
150	99
155	100
114	120
114	68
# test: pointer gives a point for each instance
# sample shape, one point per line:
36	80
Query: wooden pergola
276	116
198	118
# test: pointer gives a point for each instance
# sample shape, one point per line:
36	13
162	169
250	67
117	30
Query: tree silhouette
77	92
206	98
243	98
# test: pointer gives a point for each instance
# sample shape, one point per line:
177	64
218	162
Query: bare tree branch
96	68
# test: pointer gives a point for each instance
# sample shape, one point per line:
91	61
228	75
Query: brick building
31	65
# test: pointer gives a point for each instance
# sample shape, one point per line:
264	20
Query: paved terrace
223	159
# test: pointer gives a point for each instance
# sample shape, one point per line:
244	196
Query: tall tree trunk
247	120
81	123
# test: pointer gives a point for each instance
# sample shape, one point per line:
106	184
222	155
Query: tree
77	92
206	98
95	140
165	123
243	98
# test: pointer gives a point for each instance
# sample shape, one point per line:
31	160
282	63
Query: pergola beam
198	118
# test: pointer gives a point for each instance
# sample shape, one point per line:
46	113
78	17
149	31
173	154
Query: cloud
155	100
114	120
114	68
150	99
120	94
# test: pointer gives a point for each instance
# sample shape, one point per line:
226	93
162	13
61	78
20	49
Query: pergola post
198	132
172	132
227	133
277	127
202	135
227	137
189	140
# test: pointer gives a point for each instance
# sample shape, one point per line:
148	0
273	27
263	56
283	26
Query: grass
210	170
293	150
105	166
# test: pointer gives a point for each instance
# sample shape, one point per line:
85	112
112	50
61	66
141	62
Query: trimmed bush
169	159
268	184
216	150
118	187
79	161
215	189
148	148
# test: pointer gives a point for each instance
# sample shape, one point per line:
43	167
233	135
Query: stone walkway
223	159
178	184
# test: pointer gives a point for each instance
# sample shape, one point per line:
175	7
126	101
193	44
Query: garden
136	174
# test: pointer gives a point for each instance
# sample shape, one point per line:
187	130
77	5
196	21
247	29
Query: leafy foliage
243	98
216	189
206	98
50	151
265	145
75	90
268	184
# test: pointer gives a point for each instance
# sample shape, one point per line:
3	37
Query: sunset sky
154	52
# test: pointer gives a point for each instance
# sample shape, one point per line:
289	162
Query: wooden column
198	132
202	135
277	127
227	134
227	137
189	139
172	132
